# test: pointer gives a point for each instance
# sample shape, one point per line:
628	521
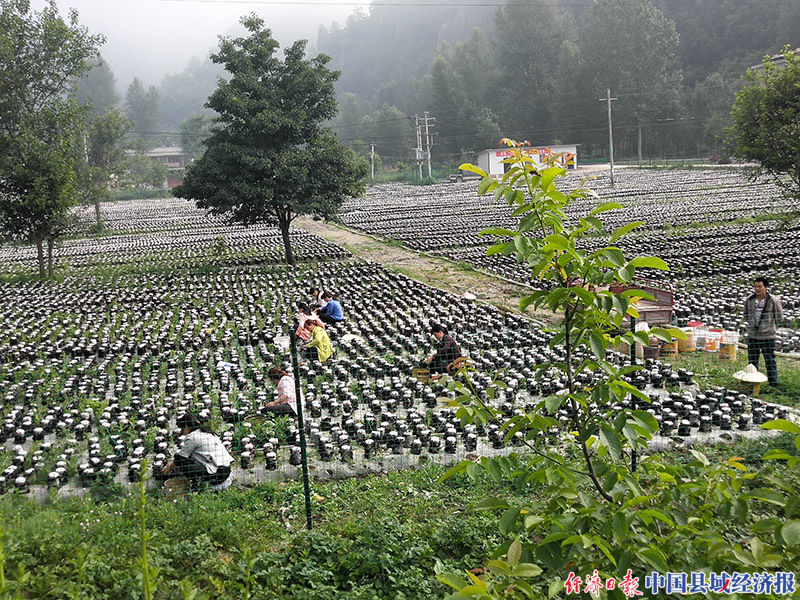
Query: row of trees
674	78
159	115
267	157
62	139
41	123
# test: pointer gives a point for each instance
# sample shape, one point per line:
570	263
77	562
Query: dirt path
431	270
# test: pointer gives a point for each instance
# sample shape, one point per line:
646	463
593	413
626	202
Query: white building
491	161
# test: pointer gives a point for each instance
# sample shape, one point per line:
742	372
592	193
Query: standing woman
202	459
286	401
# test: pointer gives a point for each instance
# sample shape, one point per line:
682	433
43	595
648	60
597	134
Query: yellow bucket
687	345
669	349
727	352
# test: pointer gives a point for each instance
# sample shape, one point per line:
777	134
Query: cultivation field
175	310
164	234
716	230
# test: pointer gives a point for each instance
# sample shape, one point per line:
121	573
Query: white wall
491	160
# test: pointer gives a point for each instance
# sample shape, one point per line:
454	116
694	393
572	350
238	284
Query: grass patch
378	536
710	371
374	537
465	266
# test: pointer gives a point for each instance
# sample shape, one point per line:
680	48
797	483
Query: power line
380	4
370	123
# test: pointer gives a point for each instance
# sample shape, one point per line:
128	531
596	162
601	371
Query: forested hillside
528	69
536	71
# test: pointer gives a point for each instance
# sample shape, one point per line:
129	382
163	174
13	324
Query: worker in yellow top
319	340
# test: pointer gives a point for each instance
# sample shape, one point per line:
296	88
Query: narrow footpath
430	270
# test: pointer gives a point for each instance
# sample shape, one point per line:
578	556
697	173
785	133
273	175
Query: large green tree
630	47
143	173
392	131
766	121
143	109
105	156
269	159
41	122
709	104
97	89
532	37
195	130
183	94
463	88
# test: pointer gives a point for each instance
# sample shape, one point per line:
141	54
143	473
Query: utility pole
372	160
418	149
608	99
428	142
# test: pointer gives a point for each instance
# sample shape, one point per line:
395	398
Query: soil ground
431	270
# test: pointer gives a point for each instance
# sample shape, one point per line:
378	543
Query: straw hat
750	375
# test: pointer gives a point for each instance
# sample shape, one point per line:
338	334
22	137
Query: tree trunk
50	244
40	257
284	221
640	142
97	210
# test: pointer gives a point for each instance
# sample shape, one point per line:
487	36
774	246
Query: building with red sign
491	161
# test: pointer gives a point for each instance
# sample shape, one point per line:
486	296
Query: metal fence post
634	454
301	426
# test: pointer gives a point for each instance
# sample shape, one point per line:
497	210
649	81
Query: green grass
710	371
465	266
374	537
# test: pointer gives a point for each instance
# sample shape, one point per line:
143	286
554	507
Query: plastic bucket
669	349
689	344
727	351
713	339
730	337
700	337
177	487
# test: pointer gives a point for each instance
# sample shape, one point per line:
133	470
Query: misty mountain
531	70
186	92
381	52
535	71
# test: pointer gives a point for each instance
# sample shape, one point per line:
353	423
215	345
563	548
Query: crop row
715	229
94	370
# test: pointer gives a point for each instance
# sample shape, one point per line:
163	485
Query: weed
149	574
465	266
187	590
21	579
2	565
80	569
711	371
